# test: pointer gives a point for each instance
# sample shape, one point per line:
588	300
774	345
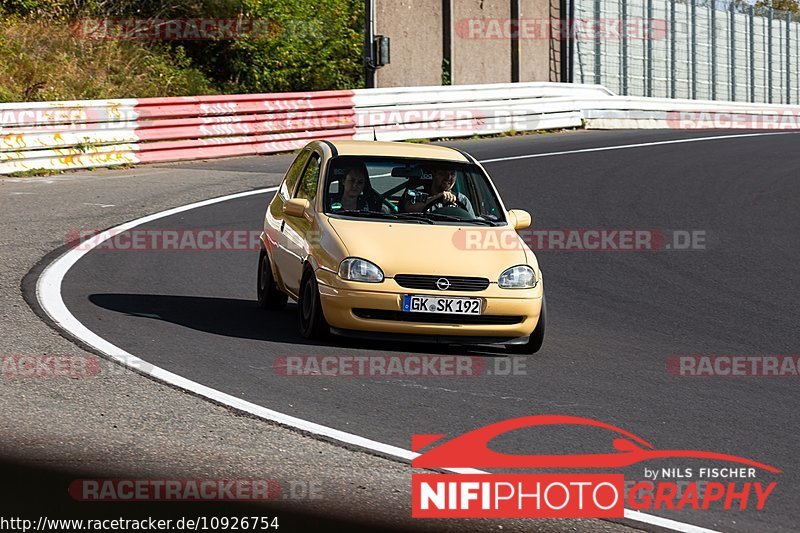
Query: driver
439	194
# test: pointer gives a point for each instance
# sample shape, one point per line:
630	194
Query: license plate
436	304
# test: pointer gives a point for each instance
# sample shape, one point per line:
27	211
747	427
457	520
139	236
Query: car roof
398	149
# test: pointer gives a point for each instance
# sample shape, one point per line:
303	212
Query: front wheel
536	339
269	296
312	320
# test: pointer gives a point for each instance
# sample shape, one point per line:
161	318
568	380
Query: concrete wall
481	56
480	41
539	55
415	28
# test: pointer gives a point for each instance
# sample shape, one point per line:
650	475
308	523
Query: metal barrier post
693	60
769	55
788	58
733	52
624	49
649	44
672	66
597	45
571	41
713	16
752	54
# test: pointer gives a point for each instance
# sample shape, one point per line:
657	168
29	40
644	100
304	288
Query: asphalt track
614	317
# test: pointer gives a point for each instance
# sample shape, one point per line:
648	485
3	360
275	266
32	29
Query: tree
792	6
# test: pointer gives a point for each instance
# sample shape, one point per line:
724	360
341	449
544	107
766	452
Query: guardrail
83	134
100	133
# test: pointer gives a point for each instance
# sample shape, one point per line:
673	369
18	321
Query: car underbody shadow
229	317
243	319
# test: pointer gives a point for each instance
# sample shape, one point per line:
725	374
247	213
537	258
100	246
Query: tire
311	321
536	339
269	296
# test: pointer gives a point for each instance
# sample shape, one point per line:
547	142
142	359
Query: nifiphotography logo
481	494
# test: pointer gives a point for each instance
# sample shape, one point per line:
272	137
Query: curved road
614	317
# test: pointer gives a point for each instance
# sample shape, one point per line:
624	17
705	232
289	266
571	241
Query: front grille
428	283
438	318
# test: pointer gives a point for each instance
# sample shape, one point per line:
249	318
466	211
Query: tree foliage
791	6
310	46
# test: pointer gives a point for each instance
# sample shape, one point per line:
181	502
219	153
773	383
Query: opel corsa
378	239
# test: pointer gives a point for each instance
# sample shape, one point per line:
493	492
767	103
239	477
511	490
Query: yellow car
412	241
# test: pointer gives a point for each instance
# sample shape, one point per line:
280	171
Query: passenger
356	192
439	195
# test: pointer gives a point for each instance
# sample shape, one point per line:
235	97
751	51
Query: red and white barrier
84	134
99	133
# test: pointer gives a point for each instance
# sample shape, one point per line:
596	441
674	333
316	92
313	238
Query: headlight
517	277
355	269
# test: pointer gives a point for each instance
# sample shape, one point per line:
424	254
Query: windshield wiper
441	216
381	215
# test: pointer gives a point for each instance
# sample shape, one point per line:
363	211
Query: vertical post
570	32
752	54
733	51
597	45
769	54
369	33
672	49
447	42
514	41
649	47
788	58
693	60
712	13
624	58
563	40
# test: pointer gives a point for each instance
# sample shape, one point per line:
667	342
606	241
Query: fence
698	49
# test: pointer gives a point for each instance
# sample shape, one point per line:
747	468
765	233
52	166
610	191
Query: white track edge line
48	293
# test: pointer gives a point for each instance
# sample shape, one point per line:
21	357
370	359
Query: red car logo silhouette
471	450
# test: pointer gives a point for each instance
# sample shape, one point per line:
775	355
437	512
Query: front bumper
513	313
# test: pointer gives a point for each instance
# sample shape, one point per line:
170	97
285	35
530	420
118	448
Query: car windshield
427	190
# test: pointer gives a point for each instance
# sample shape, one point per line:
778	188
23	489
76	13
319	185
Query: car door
296	230
275	219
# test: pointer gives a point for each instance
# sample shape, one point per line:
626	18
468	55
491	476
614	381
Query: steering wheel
459	203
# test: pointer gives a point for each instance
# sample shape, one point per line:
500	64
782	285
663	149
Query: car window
293	174
403	185
308	183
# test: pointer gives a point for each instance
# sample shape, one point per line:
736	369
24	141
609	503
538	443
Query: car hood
435	249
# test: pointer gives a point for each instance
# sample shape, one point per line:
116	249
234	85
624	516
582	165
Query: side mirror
296	207
519	219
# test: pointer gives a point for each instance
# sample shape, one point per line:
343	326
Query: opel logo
443	284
